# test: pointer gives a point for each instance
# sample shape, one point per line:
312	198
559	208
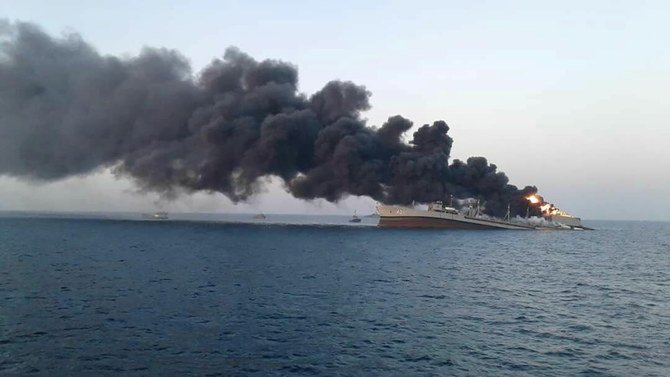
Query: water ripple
88	297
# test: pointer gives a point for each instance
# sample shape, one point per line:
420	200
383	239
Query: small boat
260	216
156	216
355	219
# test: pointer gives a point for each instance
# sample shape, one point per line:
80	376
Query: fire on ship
438	215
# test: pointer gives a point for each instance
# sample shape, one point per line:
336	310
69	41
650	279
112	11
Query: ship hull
427	222
403	217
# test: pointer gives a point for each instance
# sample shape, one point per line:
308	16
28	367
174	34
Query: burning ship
440	216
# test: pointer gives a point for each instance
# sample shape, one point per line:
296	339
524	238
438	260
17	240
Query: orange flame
533	199
547	209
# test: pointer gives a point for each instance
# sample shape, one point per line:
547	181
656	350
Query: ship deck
402	217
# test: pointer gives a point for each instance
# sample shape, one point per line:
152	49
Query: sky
568	96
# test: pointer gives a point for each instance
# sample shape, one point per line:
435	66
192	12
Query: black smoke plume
67	110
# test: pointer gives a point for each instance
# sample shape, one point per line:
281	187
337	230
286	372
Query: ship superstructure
440	216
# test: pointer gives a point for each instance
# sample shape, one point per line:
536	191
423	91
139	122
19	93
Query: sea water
111	296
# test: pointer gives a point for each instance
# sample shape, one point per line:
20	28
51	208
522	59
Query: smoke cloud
67	110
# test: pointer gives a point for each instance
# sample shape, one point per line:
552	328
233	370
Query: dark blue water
103	297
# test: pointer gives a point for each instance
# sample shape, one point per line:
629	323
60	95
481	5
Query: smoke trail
67	110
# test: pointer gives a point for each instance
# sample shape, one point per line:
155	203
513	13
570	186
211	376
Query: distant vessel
439	216
156	216
260	216
355	219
